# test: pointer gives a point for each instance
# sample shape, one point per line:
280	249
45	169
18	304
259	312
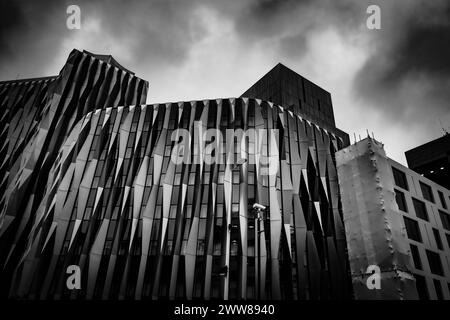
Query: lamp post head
259	207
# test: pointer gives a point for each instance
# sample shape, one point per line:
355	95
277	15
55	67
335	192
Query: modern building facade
37	117
117	202
432	160
157	201
395	219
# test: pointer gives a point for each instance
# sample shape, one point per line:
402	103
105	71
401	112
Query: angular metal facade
88	179
36	118
143	227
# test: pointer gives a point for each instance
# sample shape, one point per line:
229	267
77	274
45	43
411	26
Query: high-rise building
217	199
396	220
286	88
432	160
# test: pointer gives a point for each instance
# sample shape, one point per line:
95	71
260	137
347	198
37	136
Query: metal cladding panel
49	127
143	226
374	228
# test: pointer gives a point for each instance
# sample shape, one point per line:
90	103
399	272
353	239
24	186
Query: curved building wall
147	216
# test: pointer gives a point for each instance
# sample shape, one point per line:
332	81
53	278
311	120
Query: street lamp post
259	210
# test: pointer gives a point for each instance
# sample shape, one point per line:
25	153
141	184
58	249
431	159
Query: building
140	225
37	117
432	160
286	88
395	219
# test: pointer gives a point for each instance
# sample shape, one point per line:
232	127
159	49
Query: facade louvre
87	180
140	226
37	117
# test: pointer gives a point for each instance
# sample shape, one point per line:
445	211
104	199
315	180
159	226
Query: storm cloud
394	82
408	72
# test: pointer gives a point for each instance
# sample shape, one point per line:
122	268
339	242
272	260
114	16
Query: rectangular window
412	229
448	239
400	178
177	180
442	199
192	178
173	212
416	256
91	198
401	201
438	239
421	209
434	260
427	192
204	211
445	218
421	285
438	288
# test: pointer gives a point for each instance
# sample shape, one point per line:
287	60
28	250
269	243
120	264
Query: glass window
448	239
205	194
445	218
416	256
421	285
192	178
204	211
235	176
412	229
177	180
206	177
401	201
107	248
202	230
400	178
434	260
220	194
437	237
251	178
442	199
438	288
427	192
91	198
190	194
421	209
175	195
219	211
173	212
235	194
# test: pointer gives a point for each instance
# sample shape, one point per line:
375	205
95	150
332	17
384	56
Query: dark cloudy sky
395	82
